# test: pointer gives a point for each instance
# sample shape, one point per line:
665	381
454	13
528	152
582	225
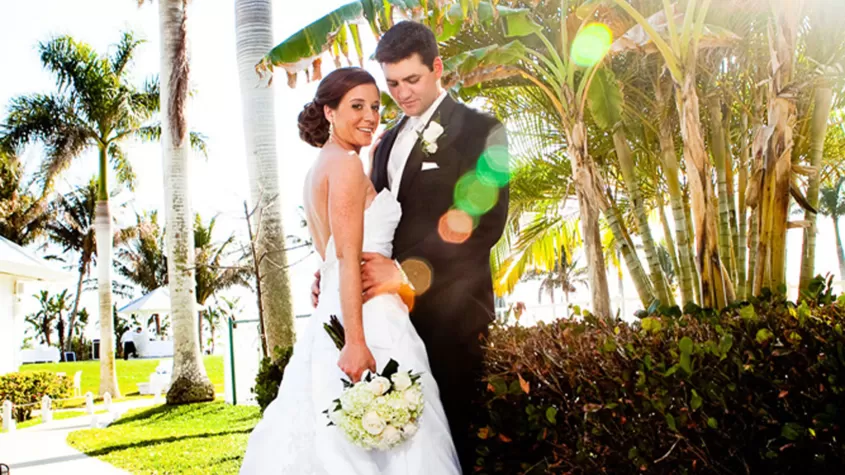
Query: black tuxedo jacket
454	301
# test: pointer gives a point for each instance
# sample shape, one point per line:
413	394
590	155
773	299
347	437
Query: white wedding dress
293	437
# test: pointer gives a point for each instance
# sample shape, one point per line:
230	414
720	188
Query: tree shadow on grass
164	412
165	440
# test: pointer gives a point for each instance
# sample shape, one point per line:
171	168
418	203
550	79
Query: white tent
155	302
17	266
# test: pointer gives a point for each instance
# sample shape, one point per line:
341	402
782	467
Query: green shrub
270	375
756	388
30	387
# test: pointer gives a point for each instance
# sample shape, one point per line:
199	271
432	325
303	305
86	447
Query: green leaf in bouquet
335	330
390	368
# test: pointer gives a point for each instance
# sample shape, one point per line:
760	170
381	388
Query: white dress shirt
405	141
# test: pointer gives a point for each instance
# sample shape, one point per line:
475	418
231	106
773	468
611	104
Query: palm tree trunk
696	277
103	232
629	255
626	163
621	285
742	245
729	187
777	162
818	129
666	135
716	288
840	253
718	148
667	232
590	198
254	36
190	382
72	319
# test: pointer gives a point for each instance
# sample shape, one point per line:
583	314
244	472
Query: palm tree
23	212
254	33
141	258
42	320
211	273
190	381
564	276
74	231
211	318
95	106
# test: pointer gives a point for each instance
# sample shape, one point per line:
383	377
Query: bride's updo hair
313	125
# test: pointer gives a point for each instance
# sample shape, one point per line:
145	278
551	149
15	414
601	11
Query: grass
129	374
194	438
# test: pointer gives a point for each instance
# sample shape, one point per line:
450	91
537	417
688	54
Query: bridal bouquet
381	411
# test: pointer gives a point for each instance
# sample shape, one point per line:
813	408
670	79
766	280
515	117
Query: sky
219	183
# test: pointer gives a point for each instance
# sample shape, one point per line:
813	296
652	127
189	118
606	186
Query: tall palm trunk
840	253
254	33
720	159
626	163
818	129
716	289
742	244
103	231
776	168
590	197
696	278
190	382
666	136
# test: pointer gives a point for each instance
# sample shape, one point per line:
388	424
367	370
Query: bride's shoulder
341	162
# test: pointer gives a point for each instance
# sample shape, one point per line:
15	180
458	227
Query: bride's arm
347	194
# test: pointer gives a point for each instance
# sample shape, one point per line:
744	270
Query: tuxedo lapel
443	116
379	172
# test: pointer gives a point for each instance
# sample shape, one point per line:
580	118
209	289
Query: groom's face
412	84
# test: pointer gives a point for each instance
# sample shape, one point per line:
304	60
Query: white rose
413	397
402	381
372	423
379	385
391	435
432	132
409	430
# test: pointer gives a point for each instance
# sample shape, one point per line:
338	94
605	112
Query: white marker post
8	416
107	401
46	409
89	403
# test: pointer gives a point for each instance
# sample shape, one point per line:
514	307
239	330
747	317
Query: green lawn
129	373
194	438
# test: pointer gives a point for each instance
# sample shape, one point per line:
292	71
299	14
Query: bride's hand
355	358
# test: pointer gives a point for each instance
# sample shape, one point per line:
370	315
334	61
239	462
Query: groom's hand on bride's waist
315	290
380	275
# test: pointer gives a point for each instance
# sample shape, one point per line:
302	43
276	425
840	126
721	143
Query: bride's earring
331	129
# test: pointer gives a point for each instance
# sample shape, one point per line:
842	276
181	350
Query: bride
346	217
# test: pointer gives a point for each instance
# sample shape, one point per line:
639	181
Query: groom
444	252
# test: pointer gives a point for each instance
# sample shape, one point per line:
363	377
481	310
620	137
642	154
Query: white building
18	266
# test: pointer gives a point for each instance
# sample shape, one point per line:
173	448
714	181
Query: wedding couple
405	285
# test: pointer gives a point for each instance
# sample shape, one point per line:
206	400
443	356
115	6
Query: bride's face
357	116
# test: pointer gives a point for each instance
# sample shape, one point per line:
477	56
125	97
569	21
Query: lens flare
419	273
455	226
474	196
493	169
591	44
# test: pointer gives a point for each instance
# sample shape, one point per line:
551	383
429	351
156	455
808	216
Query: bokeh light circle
493	167
419	273
591	44
473	196
455	226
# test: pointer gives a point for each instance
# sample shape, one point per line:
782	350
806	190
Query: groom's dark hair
406	39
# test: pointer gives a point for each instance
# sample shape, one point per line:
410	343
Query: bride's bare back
336	193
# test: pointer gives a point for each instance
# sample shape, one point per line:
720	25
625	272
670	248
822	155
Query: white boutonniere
429	137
